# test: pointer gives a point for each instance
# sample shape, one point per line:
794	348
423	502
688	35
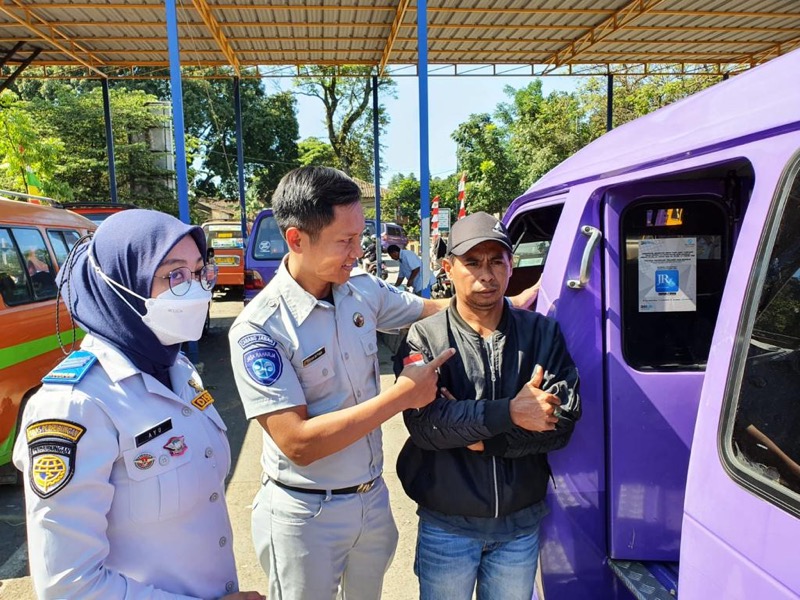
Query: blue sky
451	100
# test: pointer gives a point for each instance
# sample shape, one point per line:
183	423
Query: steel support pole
424	162
237	109
377	158
609	102
181	175
112	167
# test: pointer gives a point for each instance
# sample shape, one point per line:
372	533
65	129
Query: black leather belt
362	488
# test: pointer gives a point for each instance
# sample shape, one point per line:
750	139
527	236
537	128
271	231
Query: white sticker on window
668	275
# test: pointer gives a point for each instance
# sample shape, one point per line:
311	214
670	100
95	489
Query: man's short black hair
393	248
305	198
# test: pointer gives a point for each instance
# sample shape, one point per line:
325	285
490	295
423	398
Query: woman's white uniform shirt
125	483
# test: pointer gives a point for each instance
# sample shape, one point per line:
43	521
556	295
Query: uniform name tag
203	400
312	357
153	432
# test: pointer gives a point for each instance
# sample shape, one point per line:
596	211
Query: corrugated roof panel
460	31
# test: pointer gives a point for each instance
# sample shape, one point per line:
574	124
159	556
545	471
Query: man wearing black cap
476	461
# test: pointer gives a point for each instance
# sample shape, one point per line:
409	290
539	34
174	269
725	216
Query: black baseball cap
469	231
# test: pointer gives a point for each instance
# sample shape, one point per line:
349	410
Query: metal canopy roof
112	38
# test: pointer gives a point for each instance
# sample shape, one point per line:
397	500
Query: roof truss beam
33	23
216	32
22	66
402	7
615	22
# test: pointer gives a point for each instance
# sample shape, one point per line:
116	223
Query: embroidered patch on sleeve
260	339
52	447
264	365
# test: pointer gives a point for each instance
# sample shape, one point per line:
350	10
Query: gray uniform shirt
290	349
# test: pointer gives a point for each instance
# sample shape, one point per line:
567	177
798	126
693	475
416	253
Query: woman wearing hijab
124	453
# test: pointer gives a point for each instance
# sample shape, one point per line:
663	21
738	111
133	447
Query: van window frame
61	232
32	296
520	278
253	241
766	489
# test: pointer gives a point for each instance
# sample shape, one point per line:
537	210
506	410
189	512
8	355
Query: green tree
346	94
636	96
314	152
483	152
28	146
269	124
78	119
269	134
543	131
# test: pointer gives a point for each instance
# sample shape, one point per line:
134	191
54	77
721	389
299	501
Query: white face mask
176	319
173	319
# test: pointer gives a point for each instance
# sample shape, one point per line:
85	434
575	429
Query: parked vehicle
264	254
670	257
391	233
96	212
34	243
225	237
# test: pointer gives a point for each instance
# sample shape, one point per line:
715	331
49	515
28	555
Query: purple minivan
669	251
265	249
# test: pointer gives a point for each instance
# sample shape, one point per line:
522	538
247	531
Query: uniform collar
117	366
300	302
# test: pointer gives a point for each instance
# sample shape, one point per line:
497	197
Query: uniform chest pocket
369	341
316	373
162	482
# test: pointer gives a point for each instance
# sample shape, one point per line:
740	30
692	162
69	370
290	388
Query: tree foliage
346	94
504	153
269	124
28	145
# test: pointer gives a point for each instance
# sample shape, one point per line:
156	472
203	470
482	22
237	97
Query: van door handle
595	235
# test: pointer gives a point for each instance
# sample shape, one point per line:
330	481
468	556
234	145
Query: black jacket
435	467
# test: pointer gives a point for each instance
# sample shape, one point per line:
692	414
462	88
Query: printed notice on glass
668	275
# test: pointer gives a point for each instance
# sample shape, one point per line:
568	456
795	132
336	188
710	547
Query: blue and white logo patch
264	365
261	339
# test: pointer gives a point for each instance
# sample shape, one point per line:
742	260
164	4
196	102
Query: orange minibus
34	243
225	237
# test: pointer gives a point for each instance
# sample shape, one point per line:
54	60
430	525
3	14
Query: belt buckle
365	487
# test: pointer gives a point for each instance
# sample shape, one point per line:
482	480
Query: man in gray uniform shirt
305	360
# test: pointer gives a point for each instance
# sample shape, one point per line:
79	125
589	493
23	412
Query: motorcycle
442	287
369	262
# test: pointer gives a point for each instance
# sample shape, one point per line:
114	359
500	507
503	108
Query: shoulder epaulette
72	369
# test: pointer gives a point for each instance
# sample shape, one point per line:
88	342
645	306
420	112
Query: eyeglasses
180	279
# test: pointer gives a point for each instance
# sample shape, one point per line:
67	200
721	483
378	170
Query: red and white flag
462	195
435	220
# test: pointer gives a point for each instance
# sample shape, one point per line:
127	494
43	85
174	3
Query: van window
531	235
62	241
13	276
37	262
675	265
765	437
26	273
269	241
224	237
